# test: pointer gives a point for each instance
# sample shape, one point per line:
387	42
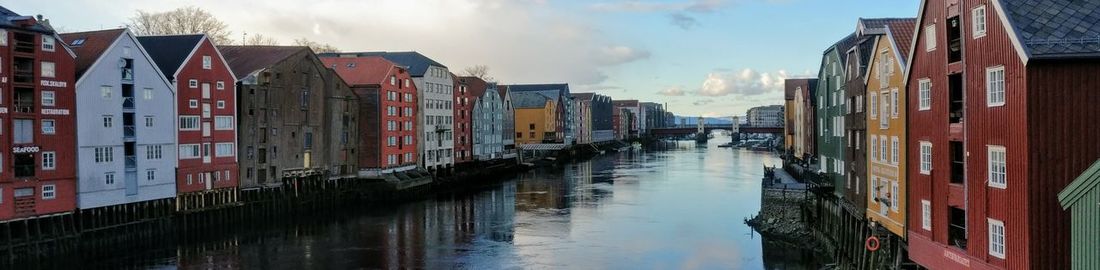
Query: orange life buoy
872	243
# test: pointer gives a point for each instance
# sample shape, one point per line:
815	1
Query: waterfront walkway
783	180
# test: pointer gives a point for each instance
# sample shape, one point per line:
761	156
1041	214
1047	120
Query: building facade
487	119
803	128
765	116
126	115
387	113
286	118
583	117
463	120
566	128
435	114
508	130
631	128
1080	198
830	117
885	113
39	176
1000	113
536	119
206	110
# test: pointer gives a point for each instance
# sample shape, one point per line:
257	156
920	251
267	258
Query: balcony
24	42
129	132
24	100
128	103
23	70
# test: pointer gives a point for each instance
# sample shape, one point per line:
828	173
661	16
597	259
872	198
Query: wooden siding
1085	230
855	125
1062	123
882	169
829	146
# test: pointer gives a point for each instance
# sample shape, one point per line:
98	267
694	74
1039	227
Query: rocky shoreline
780	217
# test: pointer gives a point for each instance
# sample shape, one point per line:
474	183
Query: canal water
677	206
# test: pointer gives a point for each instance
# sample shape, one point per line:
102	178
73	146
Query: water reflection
677	208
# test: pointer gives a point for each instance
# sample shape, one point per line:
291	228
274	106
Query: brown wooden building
1002	116
297	118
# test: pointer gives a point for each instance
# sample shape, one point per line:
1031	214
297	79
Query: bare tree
185	20
480	71
259	40
317	47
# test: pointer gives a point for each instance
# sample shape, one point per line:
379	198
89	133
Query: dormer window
77	43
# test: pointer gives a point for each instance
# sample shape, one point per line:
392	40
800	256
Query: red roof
902	32
476	86
368	70
244	60
93	46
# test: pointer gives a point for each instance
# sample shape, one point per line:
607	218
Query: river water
675	207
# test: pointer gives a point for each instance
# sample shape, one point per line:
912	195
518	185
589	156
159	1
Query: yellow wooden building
886	95
535	117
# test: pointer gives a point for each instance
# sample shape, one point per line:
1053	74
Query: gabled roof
1053	28
900	34
10	19
92	47
371	70
623	103
557	87
529	100
875	26
417	63
1087	181
584	96
476	86
171	51
843	45
245	60
503	90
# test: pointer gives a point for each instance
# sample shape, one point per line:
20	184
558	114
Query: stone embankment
780	216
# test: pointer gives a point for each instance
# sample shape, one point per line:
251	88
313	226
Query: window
193	83
977	22
206	110
997	238
873	103
407	85
221	104
308	140
224	123
224	150
49	192
998	173
48	43
925	158
105	92
194	103
220	85
925	94
3	37
48	98
151	175
930	38
49	126
153	152
104	154
840	167
207	62
148	121
147	93
109	178
49	160
189	151
894	150
894	196
189	122
874	148
108	121
393	80
995	86
926	215
882	151
894	103
48	69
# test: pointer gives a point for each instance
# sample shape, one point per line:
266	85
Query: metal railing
24	105
128	103
131	162
129	131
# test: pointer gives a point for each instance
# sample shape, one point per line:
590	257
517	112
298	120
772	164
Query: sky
700	57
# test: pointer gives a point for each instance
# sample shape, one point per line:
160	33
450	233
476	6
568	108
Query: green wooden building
831	140
1082	199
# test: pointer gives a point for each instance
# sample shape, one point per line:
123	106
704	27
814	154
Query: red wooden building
37	115
206	94
1002	116
463	108
387	102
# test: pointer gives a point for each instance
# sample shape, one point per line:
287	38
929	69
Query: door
206	129
305	159
209	181
206	153
206	91
131	184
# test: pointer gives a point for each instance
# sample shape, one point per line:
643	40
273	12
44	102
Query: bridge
688	130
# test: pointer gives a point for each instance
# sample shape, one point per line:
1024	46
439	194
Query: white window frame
894	189
221	104
49	160
930	37
925	163
49	98
924	94
109	178
220	85
894	149
926	215
894	103
151	175
194	103
108	121
978	22
49	192
49	129
207	62
192	83
873	105
992	85
105	91
874	147
48	69
190	151
49	43
997	248
997	170
220	120
220	146
189	118
883	149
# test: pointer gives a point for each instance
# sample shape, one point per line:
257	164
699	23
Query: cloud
672	92
617	55
680	14
702	102
683	21
747	82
